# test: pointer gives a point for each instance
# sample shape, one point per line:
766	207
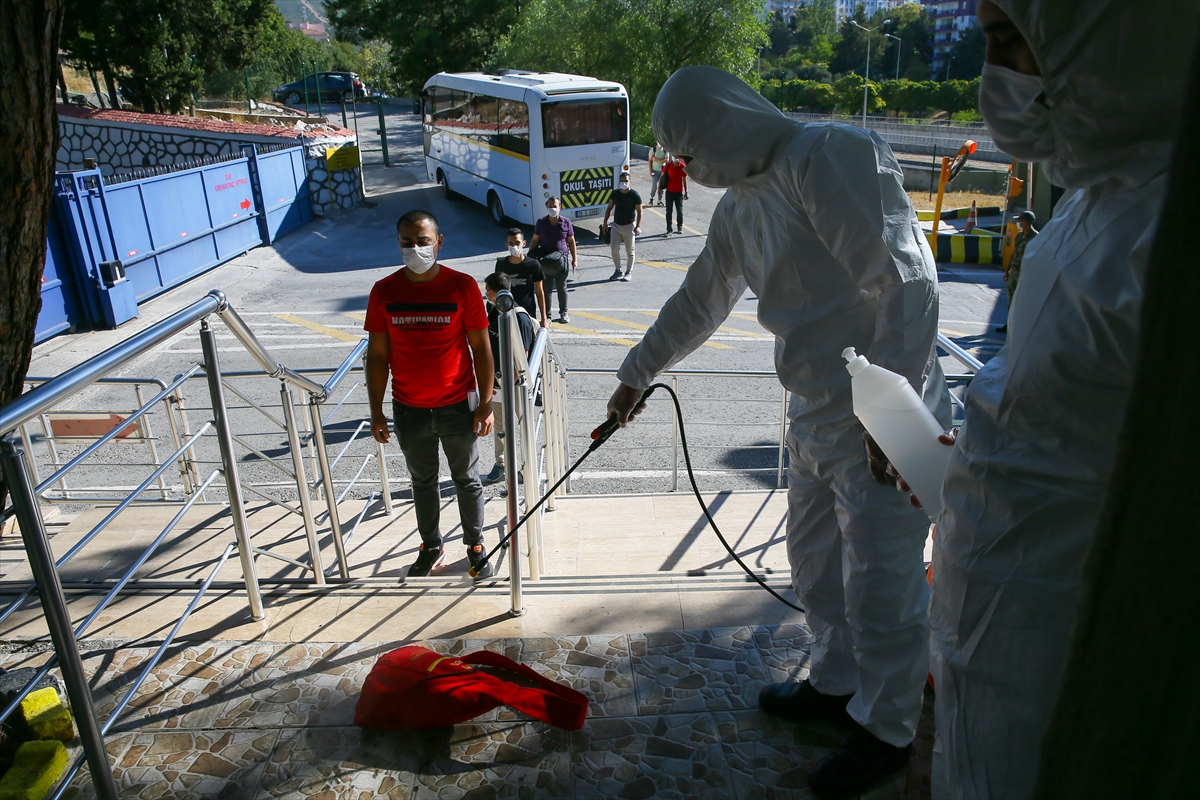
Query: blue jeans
419	431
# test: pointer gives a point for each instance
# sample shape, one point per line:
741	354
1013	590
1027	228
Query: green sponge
46	715
36	768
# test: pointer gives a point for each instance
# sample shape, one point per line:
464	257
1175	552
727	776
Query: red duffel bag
414	688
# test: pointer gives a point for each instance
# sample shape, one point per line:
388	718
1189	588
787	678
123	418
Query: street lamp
897	38
867	79
949	59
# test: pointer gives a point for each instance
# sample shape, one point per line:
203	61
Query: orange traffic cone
972	219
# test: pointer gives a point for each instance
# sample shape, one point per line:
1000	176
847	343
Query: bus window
514	127
577	122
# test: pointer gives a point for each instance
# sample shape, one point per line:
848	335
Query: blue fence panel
284	183
164	229
60	301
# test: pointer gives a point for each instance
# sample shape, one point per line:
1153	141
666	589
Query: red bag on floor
413	688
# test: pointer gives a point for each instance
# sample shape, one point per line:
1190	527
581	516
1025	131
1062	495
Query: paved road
305	297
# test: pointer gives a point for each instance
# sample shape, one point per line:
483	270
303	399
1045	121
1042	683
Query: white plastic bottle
903	427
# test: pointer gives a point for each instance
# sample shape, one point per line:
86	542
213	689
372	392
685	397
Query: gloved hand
884	472
625	404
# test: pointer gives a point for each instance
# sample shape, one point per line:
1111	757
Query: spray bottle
902	426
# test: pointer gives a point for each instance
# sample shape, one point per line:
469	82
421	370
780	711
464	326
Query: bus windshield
576	122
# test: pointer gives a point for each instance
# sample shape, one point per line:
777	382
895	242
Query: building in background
313	30
947	21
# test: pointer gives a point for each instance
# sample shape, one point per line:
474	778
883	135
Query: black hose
599	437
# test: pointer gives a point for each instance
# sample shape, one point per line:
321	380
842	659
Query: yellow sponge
36	768
47	717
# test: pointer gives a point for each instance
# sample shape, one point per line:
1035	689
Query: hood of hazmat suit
1026	481
816	222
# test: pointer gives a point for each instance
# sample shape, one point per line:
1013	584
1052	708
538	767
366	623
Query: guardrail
26	490
920	136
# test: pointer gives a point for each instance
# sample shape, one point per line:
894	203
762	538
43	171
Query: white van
510	140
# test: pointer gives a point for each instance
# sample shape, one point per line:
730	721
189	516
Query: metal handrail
272	366
54	391
962	356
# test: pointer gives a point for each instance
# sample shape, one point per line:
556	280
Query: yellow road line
662	265
360	316
721	328
685	227
558	326
637	326
745	316
319	328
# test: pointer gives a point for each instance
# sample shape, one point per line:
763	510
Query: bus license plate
587	212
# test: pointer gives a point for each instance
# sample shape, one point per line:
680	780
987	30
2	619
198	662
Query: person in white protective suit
1093	91
817	223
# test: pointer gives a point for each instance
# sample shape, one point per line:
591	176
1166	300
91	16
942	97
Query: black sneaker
427	560
857	766
477	555
800	701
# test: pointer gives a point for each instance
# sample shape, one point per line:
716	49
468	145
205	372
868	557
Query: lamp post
949	60
867	78
897	38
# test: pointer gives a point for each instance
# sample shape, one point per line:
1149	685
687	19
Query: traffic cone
972	219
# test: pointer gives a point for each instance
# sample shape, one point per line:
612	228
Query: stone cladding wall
122	142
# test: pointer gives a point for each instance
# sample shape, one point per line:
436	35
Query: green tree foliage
910	24
779	33
164	49
428	36
848	95
282	54
800	95
850	48
636	42
925	98
967	54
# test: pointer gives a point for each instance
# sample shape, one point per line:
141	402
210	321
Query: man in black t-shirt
625	205
525	275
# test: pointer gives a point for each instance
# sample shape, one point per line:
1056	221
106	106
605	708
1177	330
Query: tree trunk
1127	717
62	82
29	32
112	88
96	86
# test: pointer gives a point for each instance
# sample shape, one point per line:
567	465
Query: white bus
510	140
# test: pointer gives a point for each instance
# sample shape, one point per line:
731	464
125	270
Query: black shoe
427	560
477	555
857	766
800	701
1002	329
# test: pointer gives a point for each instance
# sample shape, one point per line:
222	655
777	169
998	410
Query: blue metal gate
113	246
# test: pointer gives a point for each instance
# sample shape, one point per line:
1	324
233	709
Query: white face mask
1020	124
515	251
623	186
553	212
419	259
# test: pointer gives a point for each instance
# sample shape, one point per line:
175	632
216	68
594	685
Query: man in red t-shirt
675	175
428	326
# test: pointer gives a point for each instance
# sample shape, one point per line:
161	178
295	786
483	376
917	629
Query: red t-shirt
427	326
674	172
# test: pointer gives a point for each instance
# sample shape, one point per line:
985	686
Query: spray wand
601	435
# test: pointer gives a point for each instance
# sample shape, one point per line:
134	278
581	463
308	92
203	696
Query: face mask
553	213
1019	124
515	251
623	186
419	259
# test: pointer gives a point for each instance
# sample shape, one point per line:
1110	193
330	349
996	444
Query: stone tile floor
672	715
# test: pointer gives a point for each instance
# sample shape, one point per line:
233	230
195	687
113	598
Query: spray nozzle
855	363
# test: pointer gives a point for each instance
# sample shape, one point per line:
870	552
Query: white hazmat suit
1027	477
816	222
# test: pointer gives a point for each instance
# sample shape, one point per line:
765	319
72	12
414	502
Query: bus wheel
497	208
444	182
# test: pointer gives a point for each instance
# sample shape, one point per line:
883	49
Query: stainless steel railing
27	488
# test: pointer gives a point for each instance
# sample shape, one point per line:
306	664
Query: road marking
746	317
585	332
319	328
640	327
360	316
722	328
685	227
662	265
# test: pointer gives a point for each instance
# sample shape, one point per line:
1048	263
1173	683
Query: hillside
303	10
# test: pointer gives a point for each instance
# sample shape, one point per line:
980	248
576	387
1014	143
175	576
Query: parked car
332	86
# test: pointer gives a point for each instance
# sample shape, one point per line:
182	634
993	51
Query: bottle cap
855	363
